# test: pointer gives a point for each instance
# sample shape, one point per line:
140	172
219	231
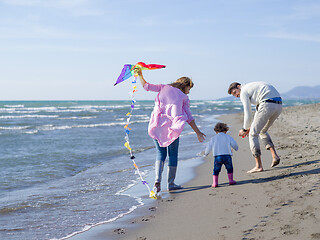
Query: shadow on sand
260	180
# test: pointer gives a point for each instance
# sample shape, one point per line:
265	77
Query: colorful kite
127	72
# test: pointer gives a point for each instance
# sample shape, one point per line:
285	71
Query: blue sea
64	168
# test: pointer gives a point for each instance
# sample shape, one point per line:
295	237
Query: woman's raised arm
142	80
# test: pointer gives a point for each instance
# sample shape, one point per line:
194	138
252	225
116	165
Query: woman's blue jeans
171	150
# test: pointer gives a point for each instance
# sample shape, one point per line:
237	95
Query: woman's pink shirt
170	113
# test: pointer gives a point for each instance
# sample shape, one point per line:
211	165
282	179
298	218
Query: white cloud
75	7
306	11
299	37
28	28
46	3
22	2
84	49
87	12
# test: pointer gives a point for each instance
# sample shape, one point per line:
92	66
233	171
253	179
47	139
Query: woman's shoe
171	177
174	187
157	185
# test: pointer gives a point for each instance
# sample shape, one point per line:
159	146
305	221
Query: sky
75	49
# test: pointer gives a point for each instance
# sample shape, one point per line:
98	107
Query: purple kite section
125	73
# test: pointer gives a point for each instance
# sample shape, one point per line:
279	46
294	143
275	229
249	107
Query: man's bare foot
275	162
255	169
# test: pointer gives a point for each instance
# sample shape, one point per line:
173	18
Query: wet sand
279	203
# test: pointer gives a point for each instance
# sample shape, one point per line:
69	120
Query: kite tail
152	193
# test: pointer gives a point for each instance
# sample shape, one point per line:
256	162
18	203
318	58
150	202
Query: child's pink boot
231	181
215	181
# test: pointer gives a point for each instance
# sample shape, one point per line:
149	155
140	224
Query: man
269	106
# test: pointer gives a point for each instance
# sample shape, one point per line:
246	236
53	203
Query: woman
170	113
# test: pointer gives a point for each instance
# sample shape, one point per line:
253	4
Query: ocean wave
88	227
14	128
148	107
225	103
99	106
65	127
121	215
66	109
16	111
43	109
8	210
48	110
121	119
31	132
14	106
142	116
51	127
53	110
197	103
75	118
29	116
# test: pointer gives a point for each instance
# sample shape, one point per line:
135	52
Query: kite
127	72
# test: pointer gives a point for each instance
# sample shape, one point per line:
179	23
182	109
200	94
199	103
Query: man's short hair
233	86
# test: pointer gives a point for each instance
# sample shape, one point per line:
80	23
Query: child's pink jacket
170	113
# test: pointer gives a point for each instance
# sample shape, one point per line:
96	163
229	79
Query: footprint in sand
119	231
152	209
315	236
142	238
289	230
147	219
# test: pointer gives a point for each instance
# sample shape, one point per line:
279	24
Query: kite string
127	144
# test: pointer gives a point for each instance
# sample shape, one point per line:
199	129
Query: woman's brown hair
182	83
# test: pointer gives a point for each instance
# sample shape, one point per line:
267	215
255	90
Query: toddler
221	145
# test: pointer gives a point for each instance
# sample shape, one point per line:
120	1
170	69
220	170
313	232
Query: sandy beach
279	203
